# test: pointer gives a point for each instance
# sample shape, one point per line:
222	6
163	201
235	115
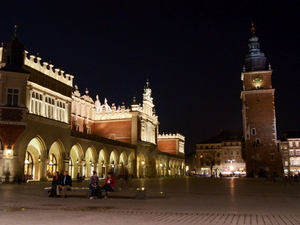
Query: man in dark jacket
66	184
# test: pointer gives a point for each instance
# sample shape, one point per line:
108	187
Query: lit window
12	97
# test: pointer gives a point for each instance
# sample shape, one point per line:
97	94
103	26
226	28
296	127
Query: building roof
225	135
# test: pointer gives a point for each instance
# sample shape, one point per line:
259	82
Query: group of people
61	183
95	187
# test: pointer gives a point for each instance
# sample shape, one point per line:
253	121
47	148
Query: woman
94	186
109	183
55	184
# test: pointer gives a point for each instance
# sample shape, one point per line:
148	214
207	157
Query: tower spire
15	36
255	60
252	29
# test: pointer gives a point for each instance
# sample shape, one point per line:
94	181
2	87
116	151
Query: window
286	163
231	152
292	161
272	157
291	152
297	152
253	131
237	152
12	97
257	141
225	153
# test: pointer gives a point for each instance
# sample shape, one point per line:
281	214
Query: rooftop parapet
34	62
171	136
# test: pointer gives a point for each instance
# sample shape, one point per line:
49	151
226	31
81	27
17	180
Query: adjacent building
220	154
47	125
290	149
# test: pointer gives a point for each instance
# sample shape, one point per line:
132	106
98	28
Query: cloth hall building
47	125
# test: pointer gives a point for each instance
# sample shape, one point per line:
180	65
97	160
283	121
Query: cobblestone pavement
169	200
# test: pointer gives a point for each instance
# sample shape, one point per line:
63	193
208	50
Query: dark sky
192	52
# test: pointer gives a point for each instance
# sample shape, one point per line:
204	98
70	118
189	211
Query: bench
140	193
73	191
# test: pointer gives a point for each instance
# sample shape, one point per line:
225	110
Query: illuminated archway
35	160
113	162
76	163
55	159
91	161
102	162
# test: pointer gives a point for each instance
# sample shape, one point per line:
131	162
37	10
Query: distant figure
94	185
109	184
126	179
66	184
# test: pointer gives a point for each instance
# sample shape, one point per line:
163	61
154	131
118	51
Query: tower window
12	97
253	131
272	157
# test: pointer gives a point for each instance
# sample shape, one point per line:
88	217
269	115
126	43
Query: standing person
109	184
55	185
94	185
66	184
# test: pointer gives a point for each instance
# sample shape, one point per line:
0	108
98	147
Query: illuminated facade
223	152
47	125
258	113
290	150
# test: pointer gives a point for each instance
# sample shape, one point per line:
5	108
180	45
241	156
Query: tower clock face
257	78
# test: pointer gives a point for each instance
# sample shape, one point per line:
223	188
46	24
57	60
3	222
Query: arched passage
35	160
102	162
55	159
90	161
113	162
76	161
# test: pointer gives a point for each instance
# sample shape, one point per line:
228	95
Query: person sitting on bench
94	186
109	184
66	184
55	185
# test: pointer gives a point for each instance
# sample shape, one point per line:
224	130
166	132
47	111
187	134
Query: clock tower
258	113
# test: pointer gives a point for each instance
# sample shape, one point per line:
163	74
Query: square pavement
189	200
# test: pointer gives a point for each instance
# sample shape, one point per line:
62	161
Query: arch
76	161
113	162
90	161
102	162
55	158
123	158
131	163
35	159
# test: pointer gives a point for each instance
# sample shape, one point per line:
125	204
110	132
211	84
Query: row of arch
40	163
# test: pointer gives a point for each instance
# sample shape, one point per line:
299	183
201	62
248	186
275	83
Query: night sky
192	52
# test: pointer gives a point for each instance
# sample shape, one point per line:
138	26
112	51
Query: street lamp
231	167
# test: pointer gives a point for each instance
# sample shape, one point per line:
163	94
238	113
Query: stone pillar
43	169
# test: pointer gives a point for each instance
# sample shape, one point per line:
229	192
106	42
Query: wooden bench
140	193
72	191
